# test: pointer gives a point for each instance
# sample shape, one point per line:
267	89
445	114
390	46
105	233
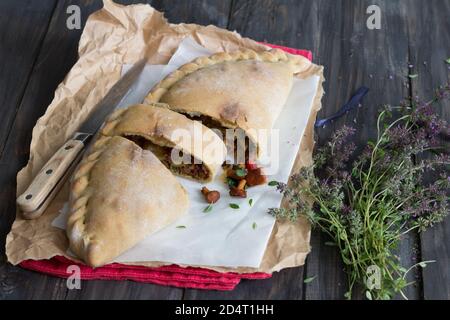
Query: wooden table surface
37	50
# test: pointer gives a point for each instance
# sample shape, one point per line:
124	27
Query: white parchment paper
224	236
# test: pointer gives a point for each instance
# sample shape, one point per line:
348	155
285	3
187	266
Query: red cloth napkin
306	53
172	275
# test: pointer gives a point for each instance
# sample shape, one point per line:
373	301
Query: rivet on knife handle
46	180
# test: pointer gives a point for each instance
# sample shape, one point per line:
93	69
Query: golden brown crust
118	197
297	63
243	89
164	127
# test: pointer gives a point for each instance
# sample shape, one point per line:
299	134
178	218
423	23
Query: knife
55	172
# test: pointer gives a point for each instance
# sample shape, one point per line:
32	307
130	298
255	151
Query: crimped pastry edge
273	55
80	241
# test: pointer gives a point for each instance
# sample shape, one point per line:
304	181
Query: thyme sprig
367	200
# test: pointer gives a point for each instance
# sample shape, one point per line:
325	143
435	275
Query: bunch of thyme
367	199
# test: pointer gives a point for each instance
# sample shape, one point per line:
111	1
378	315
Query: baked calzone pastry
186	147
120	193
244	89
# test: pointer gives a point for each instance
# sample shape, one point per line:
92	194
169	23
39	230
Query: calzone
243	89
120	193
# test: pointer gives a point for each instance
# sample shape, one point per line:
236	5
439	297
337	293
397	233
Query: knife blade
49	179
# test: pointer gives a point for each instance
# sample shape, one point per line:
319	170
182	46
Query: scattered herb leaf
448	61
273	183
181	227
208	208
310	279
368	295
234	206
330	244
412	76
250	202
254	225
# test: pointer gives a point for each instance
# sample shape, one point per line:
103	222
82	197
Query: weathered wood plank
353	55
123	290
22	29
429	47
203	12
377	59
17	283
283	285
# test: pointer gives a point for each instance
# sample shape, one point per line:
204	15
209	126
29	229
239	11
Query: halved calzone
244	89
186	147
120	193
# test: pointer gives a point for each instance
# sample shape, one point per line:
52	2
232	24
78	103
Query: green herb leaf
412	76
250	202
234	206
348	295
403	270
448	61
273	183
368	295
181	227
310	279
208	208
330	244
386	296
254	225
240	172
231	182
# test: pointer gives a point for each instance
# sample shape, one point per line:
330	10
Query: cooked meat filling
194	170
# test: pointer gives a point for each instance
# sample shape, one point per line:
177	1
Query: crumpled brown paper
114	36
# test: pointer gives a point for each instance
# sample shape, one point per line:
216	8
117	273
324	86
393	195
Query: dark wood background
37	50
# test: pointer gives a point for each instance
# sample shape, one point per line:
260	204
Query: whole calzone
120	193
243	89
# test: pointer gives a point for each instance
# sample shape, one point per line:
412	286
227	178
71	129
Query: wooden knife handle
40	210
49	176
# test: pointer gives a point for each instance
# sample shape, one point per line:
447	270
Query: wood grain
429	48
203	12
356	56
22	30
286	284
40	50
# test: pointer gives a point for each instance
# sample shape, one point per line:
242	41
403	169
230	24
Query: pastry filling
242	143
192	169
